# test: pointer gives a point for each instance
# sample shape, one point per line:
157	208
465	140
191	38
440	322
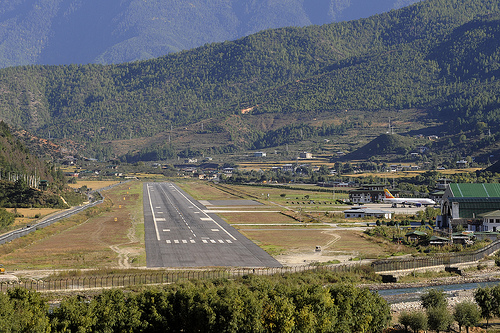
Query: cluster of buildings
373	193
476	207
302	155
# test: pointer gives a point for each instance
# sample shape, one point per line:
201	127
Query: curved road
180	232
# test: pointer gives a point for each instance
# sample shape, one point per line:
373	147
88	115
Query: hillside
384	144
258	91
21	174
17	162
67	32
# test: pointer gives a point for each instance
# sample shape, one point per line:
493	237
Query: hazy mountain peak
94	31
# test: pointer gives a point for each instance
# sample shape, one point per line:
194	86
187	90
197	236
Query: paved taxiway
180	232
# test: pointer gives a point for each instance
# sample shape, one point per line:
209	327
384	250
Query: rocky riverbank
491	274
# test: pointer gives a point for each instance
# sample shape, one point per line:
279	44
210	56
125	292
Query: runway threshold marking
192	241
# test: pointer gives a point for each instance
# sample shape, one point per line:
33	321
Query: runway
180	232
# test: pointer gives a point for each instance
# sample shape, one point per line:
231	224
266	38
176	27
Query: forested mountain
440	57
20	176
16	161
93	31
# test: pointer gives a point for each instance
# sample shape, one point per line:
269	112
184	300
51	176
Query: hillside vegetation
58	32
20	176
438	56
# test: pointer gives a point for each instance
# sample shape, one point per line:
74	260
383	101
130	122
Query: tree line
252	304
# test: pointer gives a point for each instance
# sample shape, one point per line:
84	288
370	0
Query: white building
491	221
360	212
306	155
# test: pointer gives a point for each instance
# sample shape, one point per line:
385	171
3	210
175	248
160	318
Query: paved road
180	232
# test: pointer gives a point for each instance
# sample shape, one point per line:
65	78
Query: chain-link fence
165	277
435	260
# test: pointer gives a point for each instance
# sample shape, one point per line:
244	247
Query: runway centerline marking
227	232
178	212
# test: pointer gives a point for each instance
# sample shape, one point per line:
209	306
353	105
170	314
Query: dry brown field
29	215
402	174
110	235
93	184
274	234
303	241
261	165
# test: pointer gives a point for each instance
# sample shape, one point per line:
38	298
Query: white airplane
406	201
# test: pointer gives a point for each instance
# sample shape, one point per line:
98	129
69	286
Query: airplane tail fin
388	194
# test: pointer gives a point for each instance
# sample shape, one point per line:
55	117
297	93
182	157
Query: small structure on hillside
438	241
43	184
416	236
305	155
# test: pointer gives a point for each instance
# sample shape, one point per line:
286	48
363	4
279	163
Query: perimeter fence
445	259
158	278
167	277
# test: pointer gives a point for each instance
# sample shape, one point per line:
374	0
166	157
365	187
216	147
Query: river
413	294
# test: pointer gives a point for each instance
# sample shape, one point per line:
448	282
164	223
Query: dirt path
125	250
325	255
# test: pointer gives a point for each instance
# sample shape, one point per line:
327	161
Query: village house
368	193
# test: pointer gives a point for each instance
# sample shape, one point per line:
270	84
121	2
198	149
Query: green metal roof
475	207
468	190
416	233
437	238
493	213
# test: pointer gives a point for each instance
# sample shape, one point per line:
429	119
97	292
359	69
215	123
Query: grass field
280	234
110	235
257	218
205	191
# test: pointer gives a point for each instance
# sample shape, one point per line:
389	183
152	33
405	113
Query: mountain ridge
58	32
353	71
